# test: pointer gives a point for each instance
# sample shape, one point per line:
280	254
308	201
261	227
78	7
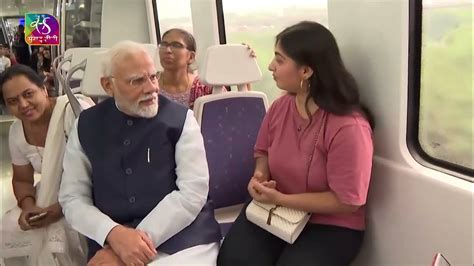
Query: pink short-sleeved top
341	162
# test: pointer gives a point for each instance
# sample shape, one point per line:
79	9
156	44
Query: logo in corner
41	29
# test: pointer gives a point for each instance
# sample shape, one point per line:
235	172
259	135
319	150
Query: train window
83	23
174	14
258	22
445	131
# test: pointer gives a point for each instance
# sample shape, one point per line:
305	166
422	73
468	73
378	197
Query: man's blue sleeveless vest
133	168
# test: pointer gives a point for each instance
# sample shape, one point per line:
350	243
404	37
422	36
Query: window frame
413	105
157	21
221	22
221	27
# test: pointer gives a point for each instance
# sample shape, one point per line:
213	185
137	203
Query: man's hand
131	245
105	257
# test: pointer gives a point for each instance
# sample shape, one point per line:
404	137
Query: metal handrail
55	64
75	105
59	75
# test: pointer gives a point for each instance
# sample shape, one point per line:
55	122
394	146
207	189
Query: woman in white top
26	97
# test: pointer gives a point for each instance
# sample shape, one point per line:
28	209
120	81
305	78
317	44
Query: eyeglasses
174	46
139	81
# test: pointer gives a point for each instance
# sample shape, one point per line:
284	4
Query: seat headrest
90	84
78	55
228	65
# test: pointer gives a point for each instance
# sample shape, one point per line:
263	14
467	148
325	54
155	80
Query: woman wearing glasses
177	81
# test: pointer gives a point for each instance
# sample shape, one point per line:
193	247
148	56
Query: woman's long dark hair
331	86
19	70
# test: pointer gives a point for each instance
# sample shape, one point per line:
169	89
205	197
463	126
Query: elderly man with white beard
135	178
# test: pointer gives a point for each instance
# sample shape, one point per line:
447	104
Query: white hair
117	53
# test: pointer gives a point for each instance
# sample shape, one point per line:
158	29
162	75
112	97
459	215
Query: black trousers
246	244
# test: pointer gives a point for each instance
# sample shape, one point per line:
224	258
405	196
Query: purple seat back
230	127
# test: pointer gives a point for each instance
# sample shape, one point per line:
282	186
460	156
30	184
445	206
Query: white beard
135	108
147	111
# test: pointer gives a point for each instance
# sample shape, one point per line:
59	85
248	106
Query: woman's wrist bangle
20	201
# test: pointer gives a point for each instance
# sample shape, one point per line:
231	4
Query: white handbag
283	222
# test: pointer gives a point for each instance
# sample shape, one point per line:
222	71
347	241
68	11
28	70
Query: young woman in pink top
313	153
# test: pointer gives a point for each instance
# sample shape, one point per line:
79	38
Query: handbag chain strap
323	123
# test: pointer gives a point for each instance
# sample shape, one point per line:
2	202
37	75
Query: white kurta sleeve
75	193
179	208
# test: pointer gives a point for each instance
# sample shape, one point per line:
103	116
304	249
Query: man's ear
107	85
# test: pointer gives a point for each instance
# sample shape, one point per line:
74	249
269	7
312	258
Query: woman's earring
302	83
